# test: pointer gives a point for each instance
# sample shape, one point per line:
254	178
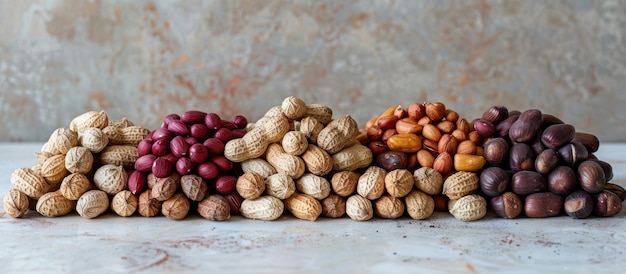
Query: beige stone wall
145	59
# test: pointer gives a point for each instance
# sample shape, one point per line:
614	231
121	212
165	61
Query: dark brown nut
495	114
579	204
484	128
387	122
546	161
234	201
591	176
527	126
562	180
590	141
521	157
555	136
176	207
543	204
194	187
606	204
392	160
526	182
214	208
494	181
388	207
508	205
514	112
441	202
573	153
608	169
537	146
496	152
374	133
549	119
377	147
617	189
334	206
502	128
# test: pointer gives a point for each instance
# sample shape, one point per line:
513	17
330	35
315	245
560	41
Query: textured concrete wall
144	59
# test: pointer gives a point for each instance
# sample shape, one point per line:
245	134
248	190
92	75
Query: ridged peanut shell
93	139
62	139
280	186
359	208
250	185
110	179
317	160
53	169
344	183
258	166
89	119
214	208
295	143
119	155
371	184
165	188
121	123
333	206
304	206
293	108
311	184
352	158
337	134
15	203
132	135
74	185
284	163
176	207
469	208
92	204
319	112
265	208
28	182
419	205
460	184
399	182
389	207
124	203
311	128
79	160
53	204
428	180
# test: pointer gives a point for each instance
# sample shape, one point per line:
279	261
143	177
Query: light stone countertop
440	244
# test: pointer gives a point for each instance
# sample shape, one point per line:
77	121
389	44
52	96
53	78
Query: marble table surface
441	244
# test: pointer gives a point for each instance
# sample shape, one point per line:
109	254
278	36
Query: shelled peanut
423	135
287	157
182	166
79	168
542	167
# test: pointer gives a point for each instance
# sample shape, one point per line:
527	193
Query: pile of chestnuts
540	166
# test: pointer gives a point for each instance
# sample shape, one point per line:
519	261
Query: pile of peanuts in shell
298	159
82	168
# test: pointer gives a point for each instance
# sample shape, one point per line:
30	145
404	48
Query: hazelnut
591	176
494	181
562	180
435	111
521	157
391	160
546	161
507	205
607	204
578	204
495	114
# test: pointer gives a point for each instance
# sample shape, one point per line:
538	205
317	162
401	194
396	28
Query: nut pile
423	135
541	167
287	157
182	165
79	168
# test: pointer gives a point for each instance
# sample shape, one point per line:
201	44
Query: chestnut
562	180
617	189
508	205
495	114
391	160
543	204
484	128
527	126
546	161
590	141
521	157
493	181
578	204
606	204
573	153
496	152
502	128
526	182
591	176
555	136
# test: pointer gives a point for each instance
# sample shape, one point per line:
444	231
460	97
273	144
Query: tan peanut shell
333	206
110	179
148	206
176	207
419	205
49	148
121	123
460	184
388	207
344	183
28	182
114	135
214	208
62	139
317	160
42	157
319	112
359	208
15	203
293	108
280	186
93	139
194	187
122	155
89	119
265	208
337	134
132	135
255	142
311	128
250	185
74	185
469	208
164	188
124	203
352	158
53	204
428	180
295	143
258	166
92	204
53	169
284	163
78	160
303	206
316	186
274	127
399	182
371	184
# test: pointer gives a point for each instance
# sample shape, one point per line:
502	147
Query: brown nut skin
234	201
392	160
496	152
562	180
578	204
495	114
546	161
484	128
543	204
377	147
549	119
508	205
573	153
606	204
441	202
590	141
555	136
617	189
494	181
608	169
526	182
521	157
591	176
527	126
502	128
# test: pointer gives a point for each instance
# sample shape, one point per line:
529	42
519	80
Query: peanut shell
344	183
123	155
110	179
78	160
419	205
164	188
214	208
295	143
359	208
62	139
53	204
293	108
319	112
371	184
74	185
258	166
469	208
29	182
428	180
303	206
316	186
317	161
15	203
176	207
265	208
148	206
92	204
89	119
399	182
284	163
194	187
250	185
388	207
311	128
280	186
53	169
352	158
460	184
333	206
93	139
124	203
